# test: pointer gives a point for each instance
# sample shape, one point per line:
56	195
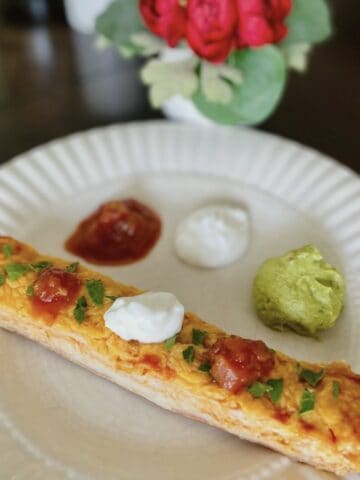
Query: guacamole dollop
299	291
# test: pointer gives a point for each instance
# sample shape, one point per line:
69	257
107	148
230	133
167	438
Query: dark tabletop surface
54	81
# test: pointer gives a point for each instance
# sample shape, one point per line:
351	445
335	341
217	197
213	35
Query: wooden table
54	81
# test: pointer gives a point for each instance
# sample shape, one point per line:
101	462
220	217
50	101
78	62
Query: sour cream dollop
213	236
151	317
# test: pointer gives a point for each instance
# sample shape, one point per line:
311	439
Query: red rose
165	18
261	21
211	28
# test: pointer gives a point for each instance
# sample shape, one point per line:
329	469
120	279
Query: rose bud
261	21
165	18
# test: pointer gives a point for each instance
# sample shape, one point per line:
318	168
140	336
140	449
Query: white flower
167	79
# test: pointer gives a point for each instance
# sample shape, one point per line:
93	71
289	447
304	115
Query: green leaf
258	389
144	44
96	291
80	309
307	402
264	76
30	291
312	377
170	342
217	82
189	354
73	267
205	367
296	55
277	385
336	389
119	21
40	266
2	279
16	270
167	79
198	336
129	50
7	250
308	22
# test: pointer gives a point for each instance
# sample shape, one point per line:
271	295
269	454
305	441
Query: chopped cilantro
170	342
73	267
189	354
111	297
40	266
30	291
273	388
205	367
277	385
16	270
7	250
311	377
335	389
80	309
2	279
198	336
96	290
258	389
307	402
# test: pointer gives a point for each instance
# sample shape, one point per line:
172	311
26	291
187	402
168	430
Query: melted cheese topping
335	420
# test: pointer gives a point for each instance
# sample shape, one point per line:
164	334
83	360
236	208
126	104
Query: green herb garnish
16	270
307	402
73	267
258	389
170	342
30	291
189	354
205	367
80	309
111	297
96	290
40	266
7	250
335	389
198	336
273	388
311	377
2	279
277	385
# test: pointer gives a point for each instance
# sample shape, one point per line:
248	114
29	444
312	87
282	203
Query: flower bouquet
228	57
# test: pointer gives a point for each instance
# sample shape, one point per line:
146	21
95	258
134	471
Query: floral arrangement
229	57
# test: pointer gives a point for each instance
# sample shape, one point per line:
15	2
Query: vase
181	109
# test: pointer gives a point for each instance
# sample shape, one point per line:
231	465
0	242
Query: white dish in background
59	421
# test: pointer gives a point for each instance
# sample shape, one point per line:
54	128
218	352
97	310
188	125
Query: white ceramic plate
59	421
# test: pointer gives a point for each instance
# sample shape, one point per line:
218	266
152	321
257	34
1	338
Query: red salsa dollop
117	233
54	289
237	363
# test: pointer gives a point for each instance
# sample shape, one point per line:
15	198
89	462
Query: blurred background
54	80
